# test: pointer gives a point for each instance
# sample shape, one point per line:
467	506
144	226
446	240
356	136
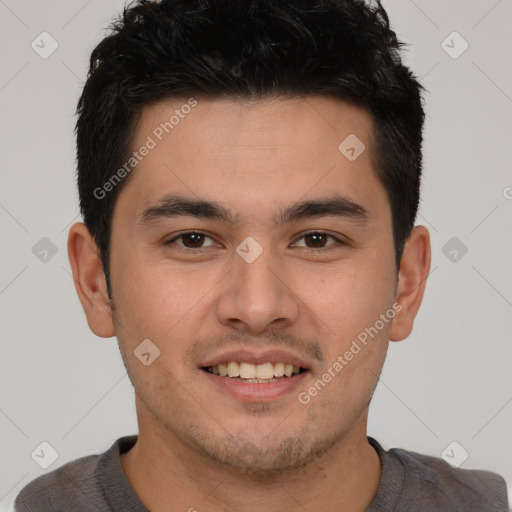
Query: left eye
318	240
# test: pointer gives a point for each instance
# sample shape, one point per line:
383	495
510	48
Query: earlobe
90	282
412	278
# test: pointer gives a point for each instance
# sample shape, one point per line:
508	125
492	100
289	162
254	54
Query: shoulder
79	485
456	485
437	486
58	488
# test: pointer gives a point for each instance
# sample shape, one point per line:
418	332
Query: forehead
255	152
270	122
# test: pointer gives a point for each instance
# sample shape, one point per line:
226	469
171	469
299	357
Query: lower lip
256	392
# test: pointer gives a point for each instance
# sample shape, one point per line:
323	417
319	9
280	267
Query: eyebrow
171	206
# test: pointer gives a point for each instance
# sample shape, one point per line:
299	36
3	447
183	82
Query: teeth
254	372
233	369
265	371
279	369
247	371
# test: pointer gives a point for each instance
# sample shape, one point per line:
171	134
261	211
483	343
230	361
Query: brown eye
318	240
190	240
193	240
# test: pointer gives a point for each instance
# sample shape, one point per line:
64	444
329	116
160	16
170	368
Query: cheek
353	296
362	322
155	299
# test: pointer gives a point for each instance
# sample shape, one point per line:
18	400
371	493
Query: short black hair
247	49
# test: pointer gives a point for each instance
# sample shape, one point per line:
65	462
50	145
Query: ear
412	278
90	282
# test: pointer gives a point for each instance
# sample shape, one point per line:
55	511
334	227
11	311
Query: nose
257	296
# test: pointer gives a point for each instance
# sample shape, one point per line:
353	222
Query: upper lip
247	356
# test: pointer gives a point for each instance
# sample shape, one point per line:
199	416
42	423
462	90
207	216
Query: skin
255	158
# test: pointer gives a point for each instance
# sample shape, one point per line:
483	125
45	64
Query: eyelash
337	243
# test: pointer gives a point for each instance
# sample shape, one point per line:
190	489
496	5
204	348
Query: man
249	177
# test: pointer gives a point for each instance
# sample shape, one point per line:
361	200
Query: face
291	262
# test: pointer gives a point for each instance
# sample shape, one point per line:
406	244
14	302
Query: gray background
450	381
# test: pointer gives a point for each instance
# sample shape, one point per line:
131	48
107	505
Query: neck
169	476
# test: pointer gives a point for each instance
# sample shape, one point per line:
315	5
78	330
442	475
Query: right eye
190	240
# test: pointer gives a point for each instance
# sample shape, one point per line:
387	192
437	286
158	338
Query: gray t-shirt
409	482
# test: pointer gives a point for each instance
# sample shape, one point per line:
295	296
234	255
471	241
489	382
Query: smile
254	373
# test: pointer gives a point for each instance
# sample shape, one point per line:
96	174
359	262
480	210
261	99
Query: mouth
264	373
255	376
254	383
